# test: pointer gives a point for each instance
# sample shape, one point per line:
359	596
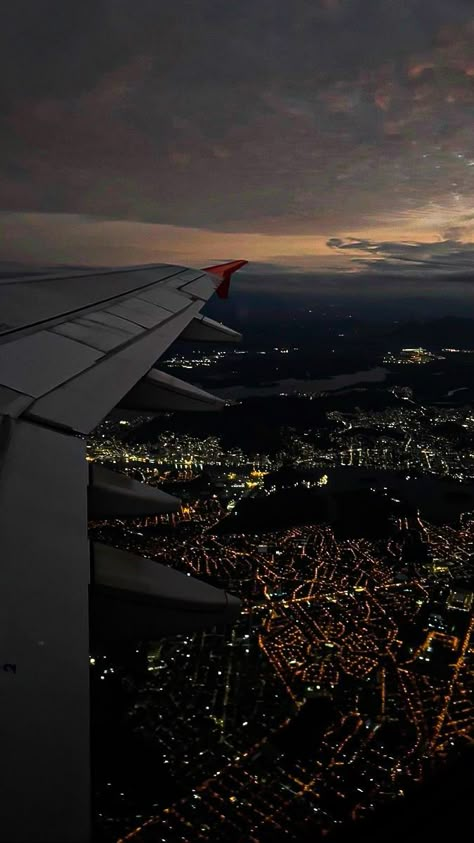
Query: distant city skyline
324	137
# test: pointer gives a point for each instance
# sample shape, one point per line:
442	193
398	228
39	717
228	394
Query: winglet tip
224	271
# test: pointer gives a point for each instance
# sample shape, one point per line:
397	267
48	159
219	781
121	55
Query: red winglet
224	272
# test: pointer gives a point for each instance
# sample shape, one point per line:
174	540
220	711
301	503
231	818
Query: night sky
323	137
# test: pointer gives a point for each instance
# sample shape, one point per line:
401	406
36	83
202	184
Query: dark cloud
446	257
313	117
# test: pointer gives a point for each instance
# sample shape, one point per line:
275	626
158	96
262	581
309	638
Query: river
290	386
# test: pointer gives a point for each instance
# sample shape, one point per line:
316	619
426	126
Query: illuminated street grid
386	641
328	617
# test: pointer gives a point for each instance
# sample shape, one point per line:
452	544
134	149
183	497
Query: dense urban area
349	676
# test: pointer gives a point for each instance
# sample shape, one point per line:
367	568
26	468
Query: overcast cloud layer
144	130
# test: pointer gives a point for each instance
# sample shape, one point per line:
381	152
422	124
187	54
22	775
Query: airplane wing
74	345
